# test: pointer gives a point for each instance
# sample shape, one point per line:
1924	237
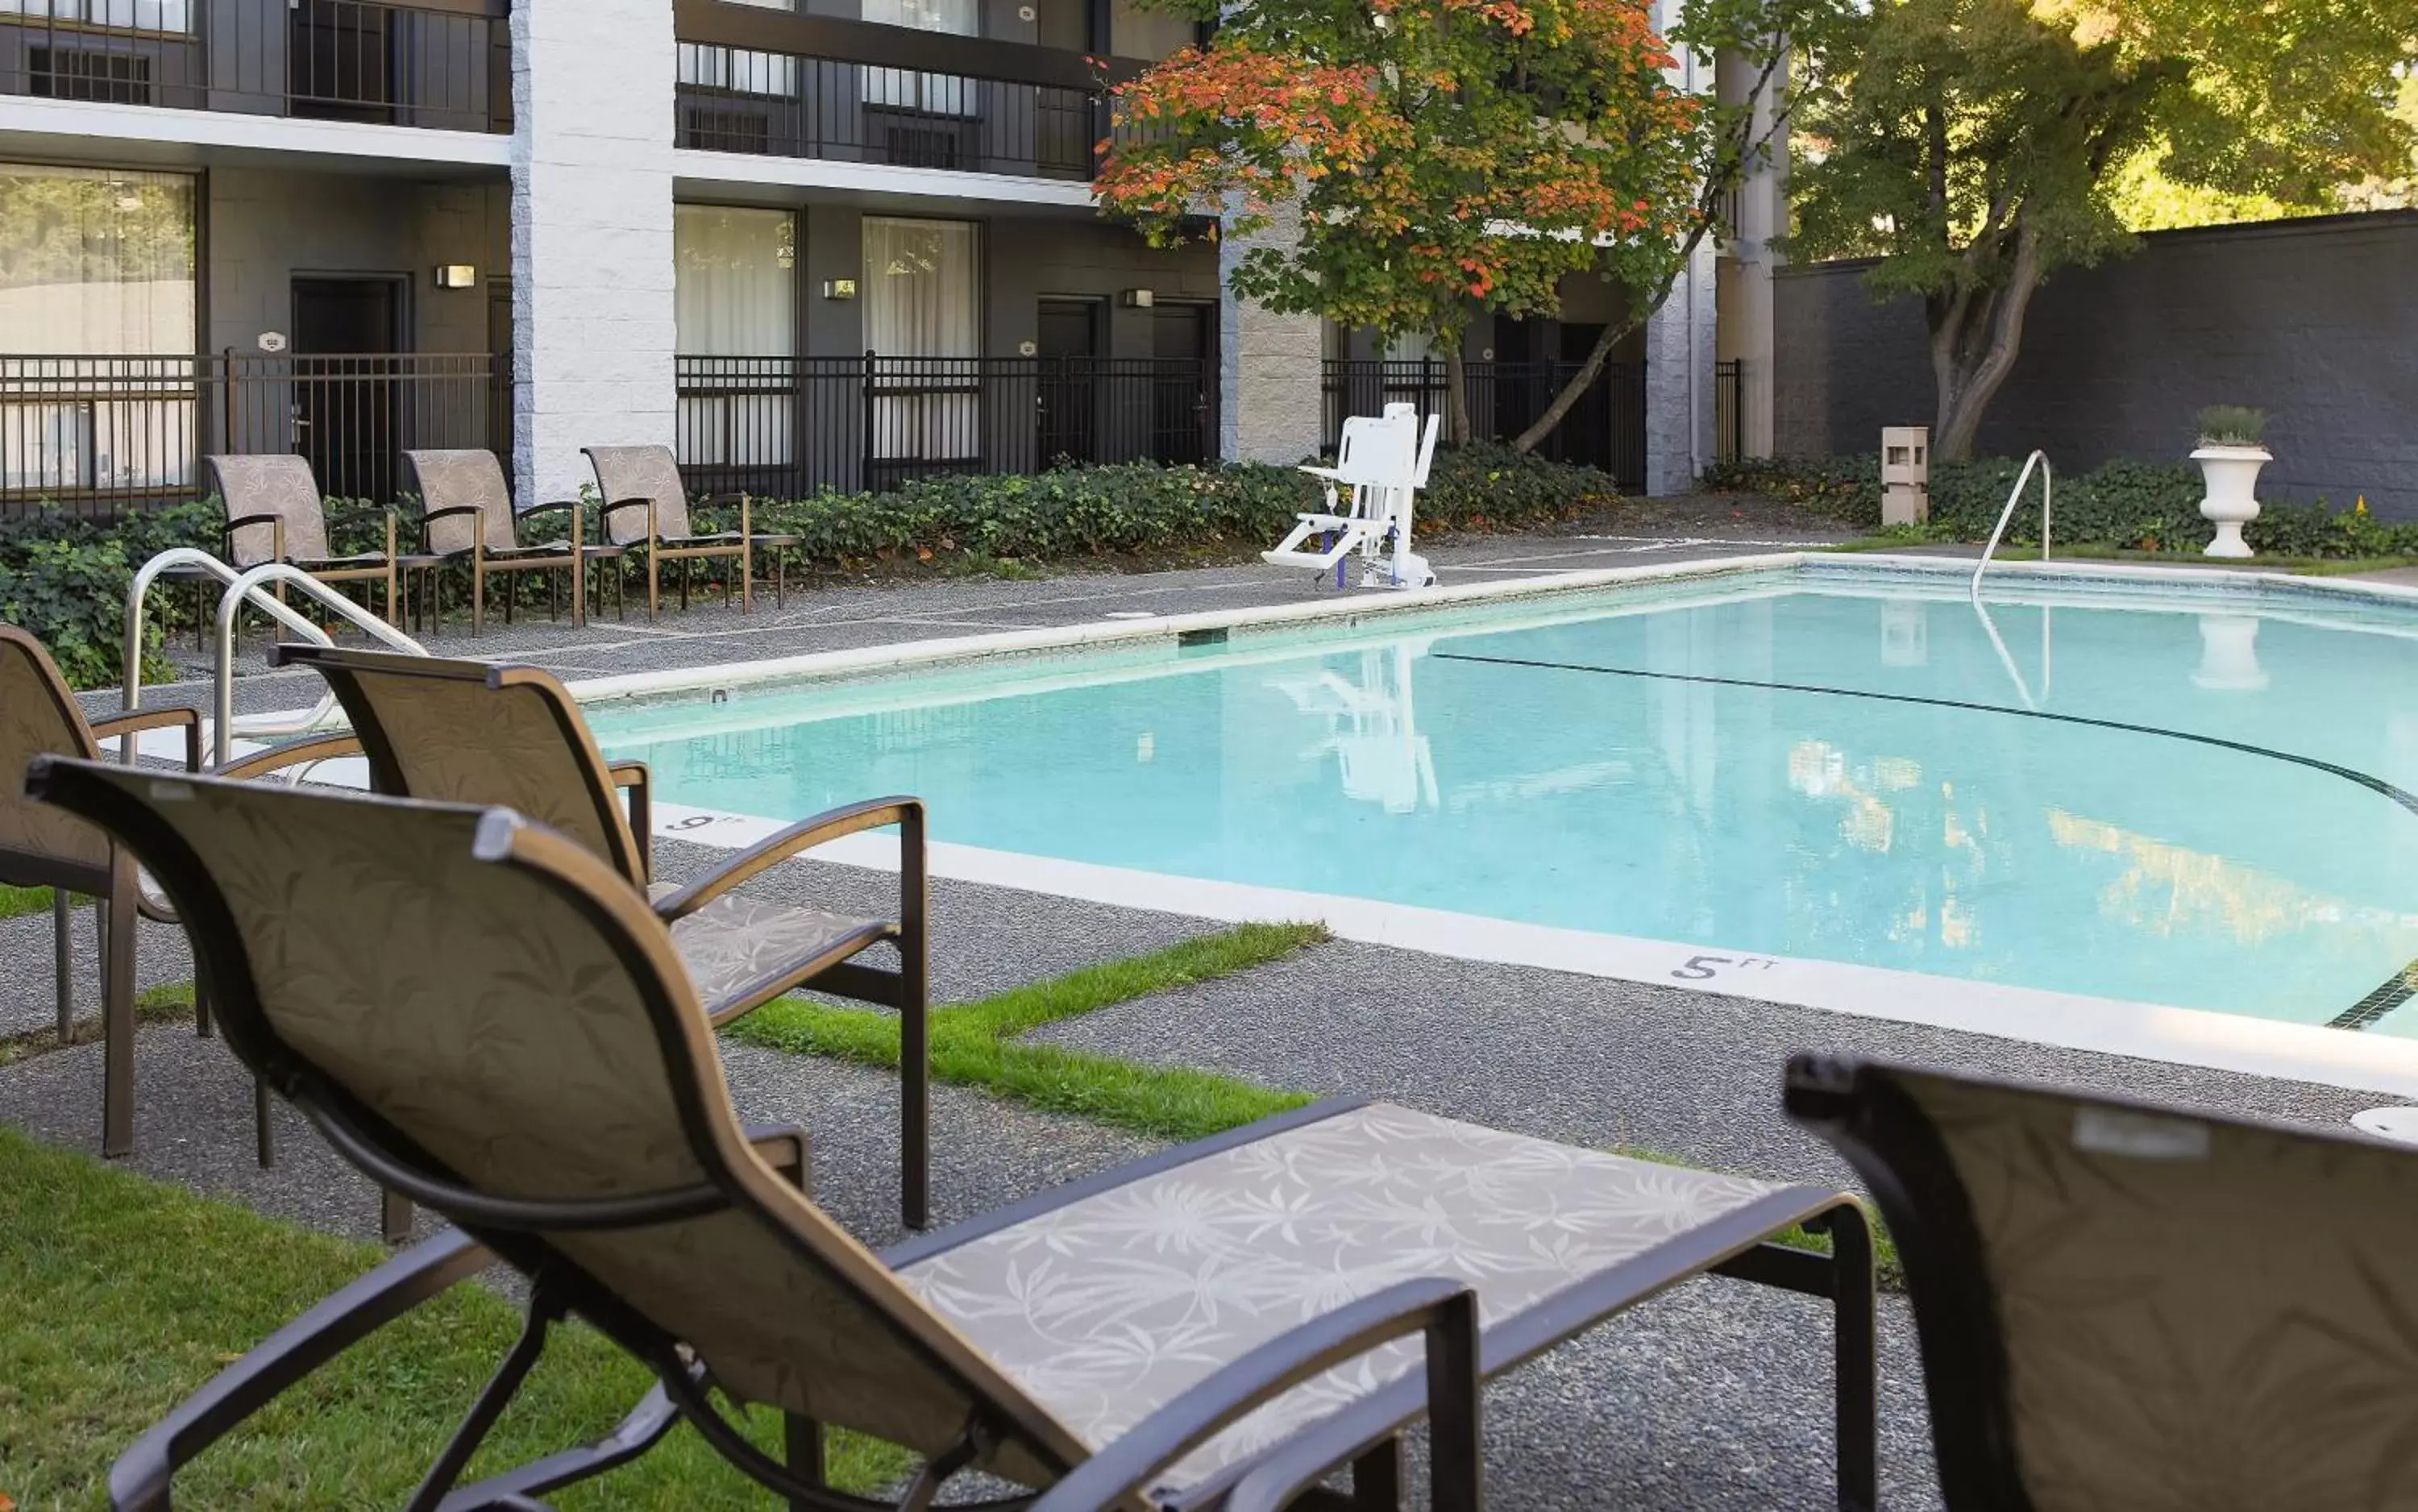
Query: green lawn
16	902
125	1295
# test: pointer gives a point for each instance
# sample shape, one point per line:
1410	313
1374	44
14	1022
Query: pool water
2204	809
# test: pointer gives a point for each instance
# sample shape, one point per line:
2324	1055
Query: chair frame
388	571
629	831
658	551
573	557
1363	1432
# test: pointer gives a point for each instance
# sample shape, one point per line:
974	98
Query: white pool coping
2109	1026
2186	1036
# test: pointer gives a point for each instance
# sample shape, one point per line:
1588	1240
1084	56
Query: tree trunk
1456	390
1976	335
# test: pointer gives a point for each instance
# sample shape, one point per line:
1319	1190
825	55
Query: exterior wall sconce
839	288
1135	298
457	276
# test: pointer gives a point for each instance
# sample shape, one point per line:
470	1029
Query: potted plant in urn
2229	456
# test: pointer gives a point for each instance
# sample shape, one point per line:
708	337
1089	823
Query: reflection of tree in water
1846	879
67	227
2171	889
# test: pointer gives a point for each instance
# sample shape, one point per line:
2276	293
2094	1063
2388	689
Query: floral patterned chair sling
2127	1305
573	1121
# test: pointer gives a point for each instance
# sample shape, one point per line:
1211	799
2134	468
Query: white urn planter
2232	501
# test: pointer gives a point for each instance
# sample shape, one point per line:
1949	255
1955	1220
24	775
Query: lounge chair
646	503
275	514
41	848
468	514
466	732
2127	1305
516	1046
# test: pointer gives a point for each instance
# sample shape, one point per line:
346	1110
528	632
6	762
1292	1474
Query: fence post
226	400
865	454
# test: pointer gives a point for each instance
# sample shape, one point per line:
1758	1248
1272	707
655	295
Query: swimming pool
2195	796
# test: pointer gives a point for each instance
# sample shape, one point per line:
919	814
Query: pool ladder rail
246	586
2038	460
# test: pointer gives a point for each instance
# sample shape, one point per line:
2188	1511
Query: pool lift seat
1380	465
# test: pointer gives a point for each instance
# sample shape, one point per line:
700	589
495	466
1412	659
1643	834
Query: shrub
2137	506
2231	425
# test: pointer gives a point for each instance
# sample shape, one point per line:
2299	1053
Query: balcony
781	85
442	65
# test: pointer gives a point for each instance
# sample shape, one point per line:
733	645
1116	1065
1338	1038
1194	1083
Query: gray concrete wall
267	226
2314	321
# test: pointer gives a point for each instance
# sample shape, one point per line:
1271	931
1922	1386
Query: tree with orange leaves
1444	157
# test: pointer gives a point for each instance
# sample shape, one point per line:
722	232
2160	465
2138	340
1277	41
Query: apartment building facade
804	242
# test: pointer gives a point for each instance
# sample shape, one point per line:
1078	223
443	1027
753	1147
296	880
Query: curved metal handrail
251	588
190	557
2048	487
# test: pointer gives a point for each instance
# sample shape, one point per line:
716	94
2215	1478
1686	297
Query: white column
1269	369
593	322
1762	217
1680	340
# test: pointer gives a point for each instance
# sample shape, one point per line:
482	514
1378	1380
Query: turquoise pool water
2204	811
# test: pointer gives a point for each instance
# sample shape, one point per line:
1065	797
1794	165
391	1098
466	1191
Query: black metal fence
789	426
444	64
1605	429
1729	409
783	105
96	434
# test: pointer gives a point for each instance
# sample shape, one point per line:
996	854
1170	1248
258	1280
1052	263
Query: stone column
1747	329
1271	404
592	272
1679	341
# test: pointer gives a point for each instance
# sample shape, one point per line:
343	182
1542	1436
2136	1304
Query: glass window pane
95	261
737	281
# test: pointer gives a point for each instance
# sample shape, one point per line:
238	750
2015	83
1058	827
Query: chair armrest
448	512
803	835
608	511
141	1477
235	523
635	776
784	1148
294	754
522	511
156	719
1445	1309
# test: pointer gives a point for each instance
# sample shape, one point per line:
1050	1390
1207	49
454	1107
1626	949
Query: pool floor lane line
2375	785
2390	994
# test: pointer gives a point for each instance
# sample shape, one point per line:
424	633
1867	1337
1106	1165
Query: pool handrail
2039	460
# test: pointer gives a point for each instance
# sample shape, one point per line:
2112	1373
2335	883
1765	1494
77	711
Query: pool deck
1713	1397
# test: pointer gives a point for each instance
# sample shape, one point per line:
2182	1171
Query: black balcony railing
789	426
1605	429
441	63
97	434
790	106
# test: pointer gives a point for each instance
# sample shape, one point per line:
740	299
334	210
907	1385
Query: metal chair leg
117	926
62	951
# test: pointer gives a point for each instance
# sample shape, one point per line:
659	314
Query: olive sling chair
2125	1305
477	1010
39	715
467	732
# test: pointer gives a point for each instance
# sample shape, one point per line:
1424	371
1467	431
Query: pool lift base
2399	1124
1381	464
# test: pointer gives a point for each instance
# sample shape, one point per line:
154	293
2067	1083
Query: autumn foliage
1437	156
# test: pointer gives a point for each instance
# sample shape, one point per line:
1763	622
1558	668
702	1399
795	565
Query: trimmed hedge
65	579
2129	504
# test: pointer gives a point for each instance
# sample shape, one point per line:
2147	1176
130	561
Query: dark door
499	379
1179	408
347	394
340	61
1068	350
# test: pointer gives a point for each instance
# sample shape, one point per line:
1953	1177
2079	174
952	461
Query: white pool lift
1379	466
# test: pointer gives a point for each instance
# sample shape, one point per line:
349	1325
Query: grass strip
144	1290
152	1006
17	902
975	1044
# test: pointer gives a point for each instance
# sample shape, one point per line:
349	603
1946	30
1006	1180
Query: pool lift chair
1380	465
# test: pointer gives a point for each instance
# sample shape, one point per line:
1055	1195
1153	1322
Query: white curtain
100	264
938	94
922	301
735	313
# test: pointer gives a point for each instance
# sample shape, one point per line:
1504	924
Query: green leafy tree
1440	158
1978	146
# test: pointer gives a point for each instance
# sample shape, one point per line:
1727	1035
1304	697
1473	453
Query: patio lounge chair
646	503
468	512
275	514
466	732
575	1121
2123	1305
41	848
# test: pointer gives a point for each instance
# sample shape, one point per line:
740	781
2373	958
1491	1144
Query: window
125	15
736	312
78	73
739	70
904	89
922	315
97	327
